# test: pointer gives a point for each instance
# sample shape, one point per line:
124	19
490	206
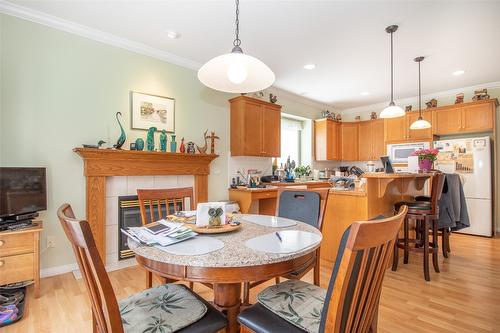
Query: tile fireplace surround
110	171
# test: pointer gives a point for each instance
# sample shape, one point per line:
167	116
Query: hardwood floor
464	297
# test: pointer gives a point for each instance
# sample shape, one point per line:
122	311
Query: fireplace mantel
102	163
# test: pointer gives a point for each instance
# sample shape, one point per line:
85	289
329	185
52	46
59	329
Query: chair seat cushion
297	302
415	205
166	308
260	320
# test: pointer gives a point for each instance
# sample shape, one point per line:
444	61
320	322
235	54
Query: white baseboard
57	270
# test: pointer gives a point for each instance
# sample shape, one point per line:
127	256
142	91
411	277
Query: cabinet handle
2	263
2	242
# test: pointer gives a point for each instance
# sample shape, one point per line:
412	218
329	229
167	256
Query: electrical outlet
51	241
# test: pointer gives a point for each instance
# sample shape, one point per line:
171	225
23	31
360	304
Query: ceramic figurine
173	144
97	146
373	115
139	144
123	137
327	114
190	148
151	139
408	108
338	117
480	95
203	150
215	217
273	98
432	103
459	98
182	148
358	118
163	141
212	138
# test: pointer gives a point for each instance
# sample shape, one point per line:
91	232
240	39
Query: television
23	192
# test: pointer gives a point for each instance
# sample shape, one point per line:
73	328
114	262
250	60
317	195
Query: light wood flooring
464	297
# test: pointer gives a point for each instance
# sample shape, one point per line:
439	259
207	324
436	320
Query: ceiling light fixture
458	73
236	72
172	34
392	110
309	66
365	93
420	123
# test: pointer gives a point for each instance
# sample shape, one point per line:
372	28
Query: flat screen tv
22	191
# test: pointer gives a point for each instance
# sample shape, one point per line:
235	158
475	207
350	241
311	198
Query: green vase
139	144
173	145
163	141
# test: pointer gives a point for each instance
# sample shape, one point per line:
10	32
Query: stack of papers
176	233
186	216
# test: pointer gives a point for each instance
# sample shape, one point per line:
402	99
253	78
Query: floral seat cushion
162	309
297	302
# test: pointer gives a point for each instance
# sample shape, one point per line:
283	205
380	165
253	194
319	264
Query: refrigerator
471	159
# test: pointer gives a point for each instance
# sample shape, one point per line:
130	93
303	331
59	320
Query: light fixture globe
420	123
236	72
392	111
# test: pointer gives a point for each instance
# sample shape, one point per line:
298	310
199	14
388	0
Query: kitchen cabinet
255	127
371	140
395	129
378	142
328	140
350	133
398	129
470	117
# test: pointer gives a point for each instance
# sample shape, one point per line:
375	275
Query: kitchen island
380	193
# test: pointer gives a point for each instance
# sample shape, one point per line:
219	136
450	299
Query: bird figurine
123	137
97	146
203	150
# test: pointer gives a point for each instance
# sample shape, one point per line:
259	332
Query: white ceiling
345	39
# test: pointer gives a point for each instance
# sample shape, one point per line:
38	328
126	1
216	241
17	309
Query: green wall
60	90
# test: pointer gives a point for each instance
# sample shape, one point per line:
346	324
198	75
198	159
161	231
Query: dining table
262	248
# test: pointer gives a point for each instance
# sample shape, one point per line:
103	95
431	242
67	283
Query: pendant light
392	110
420	123
236	72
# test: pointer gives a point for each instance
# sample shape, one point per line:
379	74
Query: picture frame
149	110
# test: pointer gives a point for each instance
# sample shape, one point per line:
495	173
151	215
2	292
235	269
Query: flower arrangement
426	158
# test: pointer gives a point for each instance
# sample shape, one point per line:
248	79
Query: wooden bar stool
426	215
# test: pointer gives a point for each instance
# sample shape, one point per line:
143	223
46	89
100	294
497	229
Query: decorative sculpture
173	144
358	118
373	115
459	98
212	138
182	148
273	98
338	117
481	95
203	150
432	103
327	114
190	148
215	217
163	141
97	146
123	137
151	139
139	144
408	108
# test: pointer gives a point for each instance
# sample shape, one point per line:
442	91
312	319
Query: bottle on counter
370	166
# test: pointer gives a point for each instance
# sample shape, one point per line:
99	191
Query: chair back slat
437	184
356	283
154	198
105	308
293	202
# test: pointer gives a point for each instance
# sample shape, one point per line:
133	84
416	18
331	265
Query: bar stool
426	215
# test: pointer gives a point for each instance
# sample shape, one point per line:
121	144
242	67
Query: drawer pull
2	242
2	263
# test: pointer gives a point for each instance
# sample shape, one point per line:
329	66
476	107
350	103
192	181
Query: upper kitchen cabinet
465	118
328	140
395	129
398	129
350	137
378	143
371	140
255	127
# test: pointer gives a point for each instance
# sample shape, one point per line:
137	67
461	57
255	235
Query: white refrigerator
471	159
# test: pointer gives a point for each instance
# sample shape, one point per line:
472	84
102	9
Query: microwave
399	152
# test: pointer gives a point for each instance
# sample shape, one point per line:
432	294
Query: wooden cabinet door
395	129
271	124
321	129
378	143
365	142
350	141
253	130
422	134
447	121
336	137
478	118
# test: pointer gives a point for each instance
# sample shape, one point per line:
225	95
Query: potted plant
426	158
303	171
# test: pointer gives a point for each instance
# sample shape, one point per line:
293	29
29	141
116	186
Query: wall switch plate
51	241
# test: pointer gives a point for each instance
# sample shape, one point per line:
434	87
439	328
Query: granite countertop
383	175
234	253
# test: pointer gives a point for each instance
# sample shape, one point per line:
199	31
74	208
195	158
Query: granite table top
234	253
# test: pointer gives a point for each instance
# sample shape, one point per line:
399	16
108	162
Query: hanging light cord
237	41
392	73
419	94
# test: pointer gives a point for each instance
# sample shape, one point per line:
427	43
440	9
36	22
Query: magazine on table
163	233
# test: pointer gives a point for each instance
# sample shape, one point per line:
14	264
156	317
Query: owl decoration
215	217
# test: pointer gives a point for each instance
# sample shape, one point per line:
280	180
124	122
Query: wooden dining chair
304	205
186	312
350	304
156	204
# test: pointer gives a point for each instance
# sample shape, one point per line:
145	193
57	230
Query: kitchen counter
383	175
309	183
357	193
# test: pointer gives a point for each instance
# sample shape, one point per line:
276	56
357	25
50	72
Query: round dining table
235	263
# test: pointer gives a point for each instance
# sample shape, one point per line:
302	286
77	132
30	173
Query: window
291	140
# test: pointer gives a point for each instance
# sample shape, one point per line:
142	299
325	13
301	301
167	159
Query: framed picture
152	111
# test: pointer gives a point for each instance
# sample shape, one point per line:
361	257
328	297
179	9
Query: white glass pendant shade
420	124
236	72
392	111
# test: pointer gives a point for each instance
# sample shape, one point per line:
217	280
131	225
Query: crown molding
94	34
410	100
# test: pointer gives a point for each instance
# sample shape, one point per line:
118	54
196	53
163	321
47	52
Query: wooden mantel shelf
102	163
113	162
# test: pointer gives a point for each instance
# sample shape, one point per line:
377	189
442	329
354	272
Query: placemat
266	220
291	241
